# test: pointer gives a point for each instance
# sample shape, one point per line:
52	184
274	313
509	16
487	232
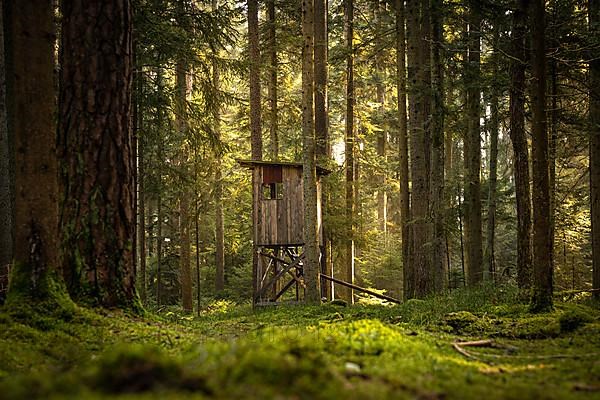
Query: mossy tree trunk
96	149
31	111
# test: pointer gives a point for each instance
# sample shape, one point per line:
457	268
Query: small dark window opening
272	185
272	191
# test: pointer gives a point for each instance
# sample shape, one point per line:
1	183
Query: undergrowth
329	351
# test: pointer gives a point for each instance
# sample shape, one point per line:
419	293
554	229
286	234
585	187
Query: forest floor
297	352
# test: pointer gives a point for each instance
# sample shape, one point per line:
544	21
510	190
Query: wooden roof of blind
254	163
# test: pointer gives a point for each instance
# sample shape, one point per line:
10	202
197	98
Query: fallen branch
458	346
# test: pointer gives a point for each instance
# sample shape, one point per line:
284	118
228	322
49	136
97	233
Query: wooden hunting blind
278	228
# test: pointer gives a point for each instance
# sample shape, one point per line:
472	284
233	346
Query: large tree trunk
311	230
542	261
520	148
97	220
420	283
272	87
322	130
6	206
31	113
348	265
472	151
255	115
402	141
184	87
437	147
490	271
594	115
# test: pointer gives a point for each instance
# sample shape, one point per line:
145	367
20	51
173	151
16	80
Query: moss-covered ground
298	352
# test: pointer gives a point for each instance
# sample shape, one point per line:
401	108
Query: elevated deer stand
278	224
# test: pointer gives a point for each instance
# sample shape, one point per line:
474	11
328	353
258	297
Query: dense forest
315	199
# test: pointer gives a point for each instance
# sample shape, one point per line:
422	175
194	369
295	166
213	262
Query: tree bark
594	115
542	265
255	114
348	266
31	110
520	147
437	148
97	216
381	134
323	146
311	263
472	151
219	215
420	283
402	140
183	85
272	88
6	173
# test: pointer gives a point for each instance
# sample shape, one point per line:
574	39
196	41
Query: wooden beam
284	289
361	289
283	271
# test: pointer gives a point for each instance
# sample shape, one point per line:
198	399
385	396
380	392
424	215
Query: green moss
572	319
364	352
460	320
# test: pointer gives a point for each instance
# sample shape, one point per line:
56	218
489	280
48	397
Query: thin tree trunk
31	111
219	215
142	216
348	267
381	134
159	241
542	265
472	152
96	146
490	261
437	147
402	141
594	115
520	148
311	262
